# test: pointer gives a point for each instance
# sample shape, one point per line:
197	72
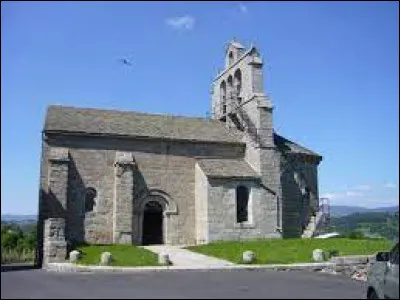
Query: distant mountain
342	210
391	209
18	218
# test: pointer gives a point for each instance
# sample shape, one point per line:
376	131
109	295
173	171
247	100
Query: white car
383	277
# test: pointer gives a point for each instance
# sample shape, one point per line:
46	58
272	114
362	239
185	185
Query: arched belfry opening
230	87
230	57
152	223
237	82
223	97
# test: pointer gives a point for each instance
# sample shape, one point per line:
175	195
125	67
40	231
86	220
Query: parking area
33	283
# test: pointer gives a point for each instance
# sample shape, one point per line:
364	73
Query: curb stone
335	266
69	267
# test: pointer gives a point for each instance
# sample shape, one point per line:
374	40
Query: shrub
331	253
356	235
12	256
17	245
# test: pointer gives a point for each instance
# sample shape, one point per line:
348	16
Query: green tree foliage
355	235
368	224
14	238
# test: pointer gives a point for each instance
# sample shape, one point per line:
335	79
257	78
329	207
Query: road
180	284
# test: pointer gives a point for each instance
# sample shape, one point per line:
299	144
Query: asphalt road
180	284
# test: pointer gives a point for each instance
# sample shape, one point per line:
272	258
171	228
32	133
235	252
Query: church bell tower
238	97
239	100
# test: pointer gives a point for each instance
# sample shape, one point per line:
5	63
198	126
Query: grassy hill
370	223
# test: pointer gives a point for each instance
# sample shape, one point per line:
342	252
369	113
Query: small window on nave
242	202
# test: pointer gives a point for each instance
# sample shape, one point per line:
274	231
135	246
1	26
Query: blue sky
331	69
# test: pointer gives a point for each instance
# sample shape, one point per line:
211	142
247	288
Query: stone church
127	177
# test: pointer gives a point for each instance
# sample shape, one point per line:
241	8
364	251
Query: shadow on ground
17	267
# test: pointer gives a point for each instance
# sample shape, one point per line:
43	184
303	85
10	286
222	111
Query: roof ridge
296	144
131	112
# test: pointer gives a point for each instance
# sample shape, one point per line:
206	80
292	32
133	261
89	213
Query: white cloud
243	8
353	194
356	191
185	22
389	185
363	195
331	195
344	195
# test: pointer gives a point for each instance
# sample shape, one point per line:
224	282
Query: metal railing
319	219
324	207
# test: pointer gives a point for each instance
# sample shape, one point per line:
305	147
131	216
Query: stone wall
354	266
167	166
222	223
296	209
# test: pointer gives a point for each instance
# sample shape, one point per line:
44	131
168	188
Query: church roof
227	168
286	145
63	119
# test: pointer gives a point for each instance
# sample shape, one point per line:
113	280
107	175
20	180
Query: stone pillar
123	198
58	181
55	245
54	242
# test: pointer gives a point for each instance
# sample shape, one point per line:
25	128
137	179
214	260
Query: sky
330	68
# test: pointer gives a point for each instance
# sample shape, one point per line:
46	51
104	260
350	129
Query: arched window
223	96
242	203
238	84
90	195
230	57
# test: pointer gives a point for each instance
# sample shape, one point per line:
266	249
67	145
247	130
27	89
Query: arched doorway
165	208
152	223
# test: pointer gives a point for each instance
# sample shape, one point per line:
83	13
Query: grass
285	251
122	255
14	256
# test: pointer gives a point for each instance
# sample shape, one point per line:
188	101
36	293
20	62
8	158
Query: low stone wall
354	266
